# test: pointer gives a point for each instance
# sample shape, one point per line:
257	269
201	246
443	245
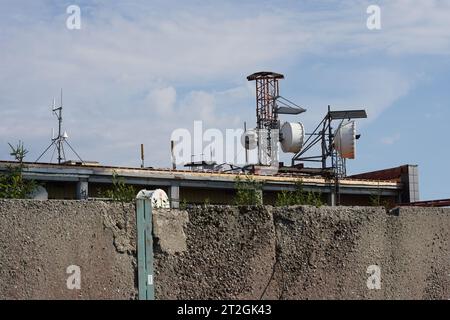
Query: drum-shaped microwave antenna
344	140
293	136
249	139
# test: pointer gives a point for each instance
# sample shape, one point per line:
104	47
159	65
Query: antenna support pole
59	141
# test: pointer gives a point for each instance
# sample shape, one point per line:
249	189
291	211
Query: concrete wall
225	252
40	240
309	253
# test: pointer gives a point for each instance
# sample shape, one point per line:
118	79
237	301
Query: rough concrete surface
309	253
39	240
168	230
230	252
225	252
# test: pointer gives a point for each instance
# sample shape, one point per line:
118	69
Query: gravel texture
309	253
225	252
40	239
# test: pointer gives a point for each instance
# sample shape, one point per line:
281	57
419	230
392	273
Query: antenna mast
267	91
58	142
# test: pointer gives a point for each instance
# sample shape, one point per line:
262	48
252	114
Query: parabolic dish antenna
344	140
293	136
249	139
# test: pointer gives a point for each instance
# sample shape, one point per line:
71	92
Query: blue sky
137	70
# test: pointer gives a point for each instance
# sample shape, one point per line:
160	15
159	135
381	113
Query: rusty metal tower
267	92
270	104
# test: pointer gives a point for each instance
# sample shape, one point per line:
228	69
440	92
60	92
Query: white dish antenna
344	140
65	135
293	134
249	139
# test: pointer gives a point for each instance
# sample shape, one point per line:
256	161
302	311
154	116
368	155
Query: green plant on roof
120	191
248	191
298	197
12	183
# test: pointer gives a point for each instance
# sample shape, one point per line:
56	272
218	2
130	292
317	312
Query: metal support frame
324	135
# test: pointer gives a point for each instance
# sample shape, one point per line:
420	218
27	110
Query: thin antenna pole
63	152
245	143
174	162
59	129
142	155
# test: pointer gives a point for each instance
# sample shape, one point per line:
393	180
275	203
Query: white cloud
162	100
391	139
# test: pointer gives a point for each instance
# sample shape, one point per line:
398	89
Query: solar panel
290	110
348	114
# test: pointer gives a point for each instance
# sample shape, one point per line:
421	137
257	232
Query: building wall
85	181
61	190
67	191
98	190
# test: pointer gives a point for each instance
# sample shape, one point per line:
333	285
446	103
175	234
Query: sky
138	70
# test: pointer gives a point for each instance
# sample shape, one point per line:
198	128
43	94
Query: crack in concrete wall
122	237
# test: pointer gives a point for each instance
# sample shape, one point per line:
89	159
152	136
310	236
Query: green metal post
145	247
